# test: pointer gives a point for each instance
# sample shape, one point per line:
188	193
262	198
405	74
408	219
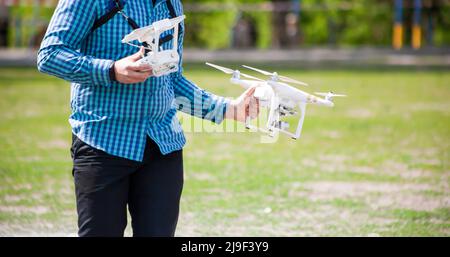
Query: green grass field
376	164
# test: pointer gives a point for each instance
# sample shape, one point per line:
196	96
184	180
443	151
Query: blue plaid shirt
108	115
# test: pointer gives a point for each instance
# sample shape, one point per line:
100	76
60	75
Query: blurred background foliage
359	26
320	23
212	29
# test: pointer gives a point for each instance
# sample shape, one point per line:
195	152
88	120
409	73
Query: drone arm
243	83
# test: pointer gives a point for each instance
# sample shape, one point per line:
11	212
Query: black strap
172	13
171	9
130	21
165	39
118	6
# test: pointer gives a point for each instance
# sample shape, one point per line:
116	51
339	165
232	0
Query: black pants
106	184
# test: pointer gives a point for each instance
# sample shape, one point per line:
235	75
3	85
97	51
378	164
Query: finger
135	81
249	92
246	114
140	67
253	109
241	113
137	56
145	73
138	76
257	106
246	93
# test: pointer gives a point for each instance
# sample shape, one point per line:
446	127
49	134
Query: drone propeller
330	94
230	71
282	78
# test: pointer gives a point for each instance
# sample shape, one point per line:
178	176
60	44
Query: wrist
112	72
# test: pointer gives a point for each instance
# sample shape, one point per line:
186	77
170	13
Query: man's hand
244	106
127	70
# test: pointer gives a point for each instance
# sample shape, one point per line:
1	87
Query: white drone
162	61
279	98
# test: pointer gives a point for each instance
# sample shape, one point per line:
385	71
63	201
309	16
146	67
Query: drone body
162	61
281	99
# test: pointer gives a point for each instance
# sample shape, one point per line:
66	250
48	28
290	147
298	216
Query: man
127	142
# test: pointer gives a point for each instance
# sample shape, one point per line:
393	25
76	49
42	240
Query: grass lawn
376	164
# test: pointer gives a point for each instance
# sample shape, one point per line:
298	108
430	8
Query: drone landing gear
282	126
